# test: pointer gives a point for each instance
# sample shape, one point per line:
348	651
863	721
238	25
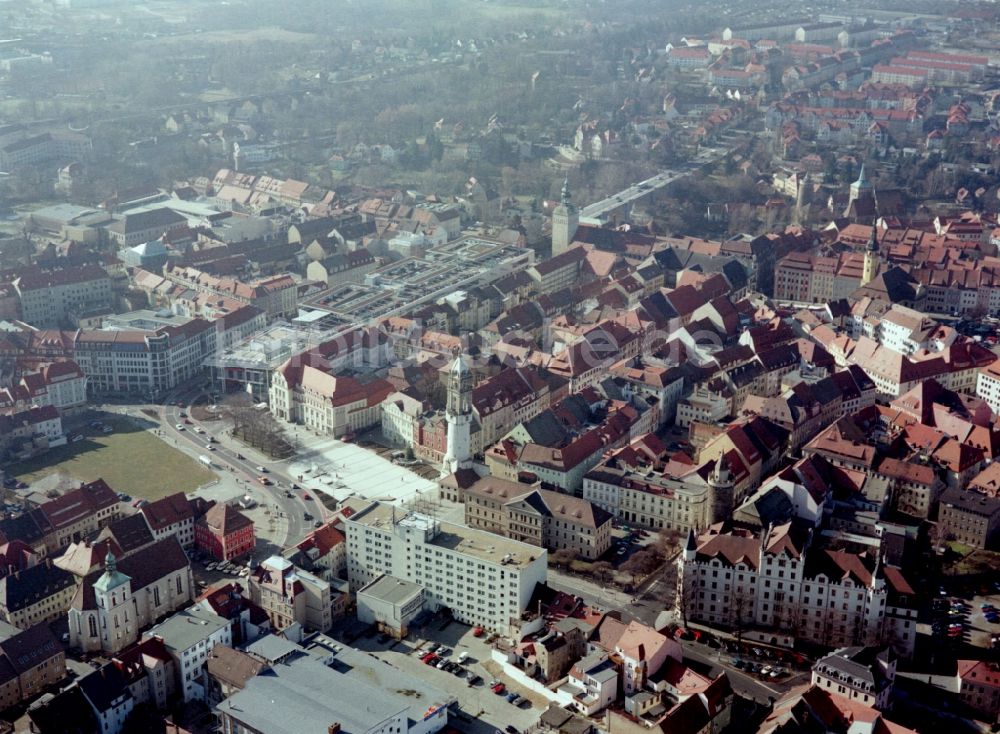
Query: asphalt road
226	458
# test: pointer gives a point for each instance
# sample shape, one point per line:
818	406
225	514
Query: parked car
475	680
463	656
499	688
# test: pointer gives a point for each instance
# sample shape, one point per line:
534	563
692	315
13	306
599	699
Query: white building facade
484	579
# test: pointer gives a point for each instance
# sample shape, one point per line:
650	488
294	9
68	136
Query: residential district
284	458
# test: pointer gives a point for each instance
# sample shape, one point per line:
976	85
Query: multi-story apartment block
76	514
33	660
144	226
170	516
969	517
62	385
24	432
777	588
537	516
144	362
290	595
988	385
324	402
510	397
644	489
48	297
484	579
41	593
277	296
863	674
190	636
224	533
979	686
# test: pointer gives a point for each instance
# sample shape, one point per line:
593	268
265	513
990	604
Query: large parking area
973	621
479	708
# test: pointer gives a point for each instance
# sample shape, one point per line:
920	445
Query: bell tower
721	491
458	413
565	221
870	268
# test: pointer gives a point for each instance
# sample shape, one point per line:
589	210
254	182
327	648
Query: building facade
484	579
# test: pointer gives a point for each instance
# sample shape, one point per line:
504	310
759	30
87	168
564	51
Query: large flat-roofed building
484	579
330	689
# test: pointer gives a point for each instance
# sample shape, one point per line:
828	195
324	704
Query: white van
463	657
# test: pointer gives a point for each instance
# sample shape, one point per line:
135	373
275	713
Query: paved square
341	470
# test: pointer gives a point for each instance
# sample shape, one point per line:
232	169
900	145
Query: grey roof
858	667
273	648
307	697
391	589
189	627
23	589
373	672
140	221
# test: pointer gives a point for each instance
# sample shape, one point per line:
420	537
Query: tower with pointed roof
565	221
861	200
458	413
870	267
861	186
116	610
721	490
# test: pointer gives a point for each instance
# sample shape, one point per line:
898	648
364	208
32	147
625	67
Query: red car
306	497
499	688
431	659
477	632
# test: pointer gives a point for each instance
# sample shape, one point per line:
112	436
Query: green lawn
130	460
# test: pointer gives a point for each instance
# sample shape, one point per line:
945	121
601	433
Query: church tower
870	268
860	188
803	198
721	490
458	413
565	220
116	612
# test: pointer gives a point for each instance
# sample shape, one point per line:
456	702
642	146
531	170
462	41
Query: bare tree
255	427
602	570
562	557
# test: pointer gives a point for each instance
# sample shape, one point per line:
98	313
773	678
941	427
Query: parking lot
479	708
973	621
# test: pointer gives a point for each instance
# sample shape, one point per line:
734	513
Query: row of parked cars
761	669
228	567
950	618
